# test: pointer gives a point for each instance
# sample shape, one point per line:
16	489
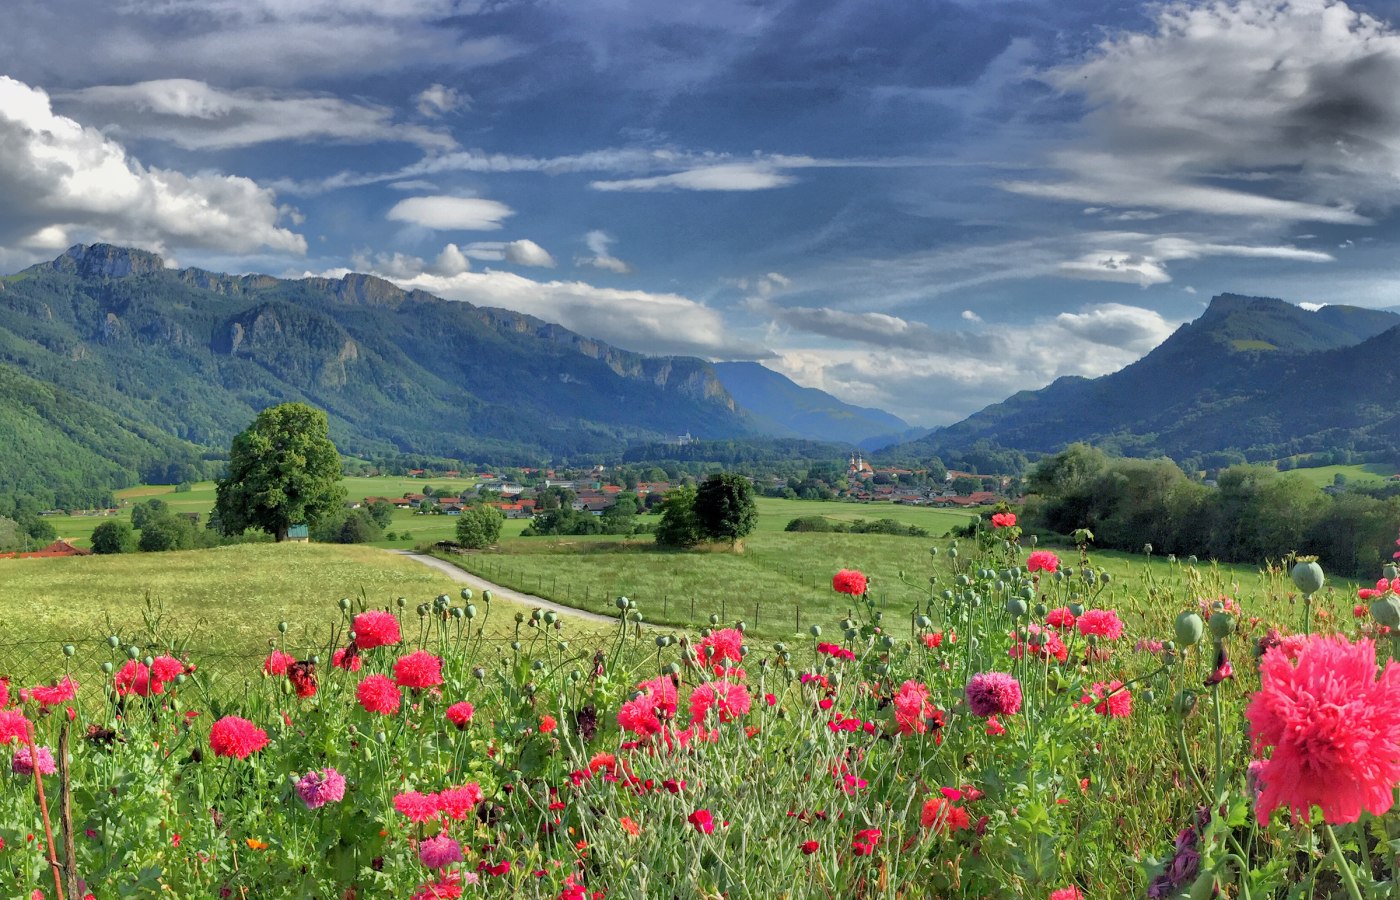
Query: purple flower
319	788
23	763
439	852
993	694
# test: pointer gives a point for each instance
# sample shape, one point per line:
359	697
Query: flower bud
1189	629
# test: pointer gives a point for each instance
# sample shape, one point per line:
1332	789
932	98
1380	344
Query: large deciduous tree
725	508
479	526
283	470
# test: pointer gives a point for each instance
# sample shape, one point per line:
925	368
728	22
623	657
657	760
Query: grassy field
228	599
1370	473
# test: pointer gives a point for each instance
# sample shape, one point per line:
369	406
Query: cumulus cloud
442	213
939	376
198	116
634	320
1279	110
437	99
63	183
737	177
599	243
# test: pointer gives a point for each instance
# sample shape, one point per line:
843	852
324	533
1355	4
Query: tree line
1251	513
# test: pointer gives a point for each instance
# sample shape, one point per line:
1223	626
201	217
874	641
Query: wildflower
46	696
1149	645
721	645
865	840
1334	727
277	663
993	694
1043	561
439	852
136	678
346	659
940	814
256	844
457	803
1114	702
809	847
702	820
933	640
1223	669
995	728
377	694
448	887
1042	642
728	700
419	669
1289	644
24	763
548	724
460	714
912	709
376	629
1181	870
416	806
1004	520
629	826
835	651
1060	617
1102	622
1067	893
849	581
166	668
316	789
302	675
236	737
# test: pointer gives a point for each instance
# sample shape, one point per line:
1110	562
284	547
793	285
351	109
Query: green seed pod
344	602
947	595
622	603
1149	696
486	596
953	552
1076	609
673	669
133	652
740	626
531	688
1392	571
114	642
457	612
467	594
575	675
714	618
1307	575
780	647
1034	539
1385	609
1184	704
471	611
551	617
1016	608
442	600
635	615
537	615
69	649
422	609
1189	629
315	659
1222	625
107	668
887	642
662	641
1106	577
519	618
479	673
402	602
816	631
537	665
562	645
852	633
1041	610
515	645
381	737
706	632
933	551
923	622
1027	593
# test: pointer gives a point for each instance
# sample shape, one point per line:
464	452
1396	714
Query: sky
920	205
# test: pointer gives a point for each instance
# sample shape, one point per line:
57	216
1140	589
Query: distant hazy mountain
113	366
783	408
1252	375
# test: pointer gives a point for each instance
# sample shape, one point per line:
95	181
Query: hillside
783	408
1252	375
121	369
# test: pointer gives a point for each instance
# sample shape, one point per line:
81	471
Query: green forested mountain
1252	378
114	368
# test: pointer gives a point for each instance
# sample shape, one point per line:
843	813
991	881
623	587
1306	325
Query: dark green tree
359	527
283	470
725	508
679	526
382	511
479	526
113	537
153	508
166	533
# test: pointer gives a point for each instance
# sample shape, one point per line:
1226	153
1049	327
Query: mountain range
1252	377
115	368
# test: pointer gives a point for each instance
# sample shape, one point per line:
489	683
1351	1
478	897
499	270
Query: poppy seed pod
1222	625
1189	629
1307	575
1385	609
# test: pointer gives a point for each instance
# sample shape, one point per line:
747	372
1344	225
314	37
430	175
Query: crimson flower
702	820
849	581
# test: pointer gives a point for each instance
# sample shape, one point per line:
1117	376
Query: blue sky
923	206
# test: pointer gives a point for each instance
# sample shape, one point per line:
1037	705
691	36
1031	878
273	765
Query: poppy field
1198	737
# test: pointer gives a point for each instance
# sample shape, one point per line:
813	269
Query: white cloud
451	261
938	377
59	178
970	316
442	213
1279	110
438	99
1145	263
196	116
526	252
634	320
737	177
599	242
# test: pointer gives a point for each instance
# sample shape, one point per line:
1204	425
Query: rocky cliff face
107	261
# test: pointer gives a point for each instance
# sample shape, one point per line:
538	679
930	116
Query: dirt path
505	593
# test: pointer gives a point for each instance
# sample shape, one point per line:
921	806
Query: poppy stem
1348	877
